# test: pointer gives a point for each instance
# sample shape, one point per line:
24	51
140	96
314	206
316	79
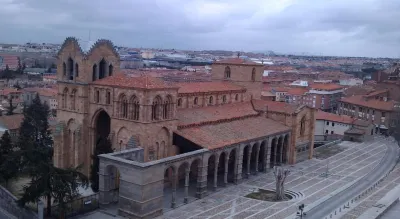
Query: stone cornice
211	93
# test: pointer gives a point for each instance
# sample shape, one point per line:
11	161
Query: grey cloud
331	27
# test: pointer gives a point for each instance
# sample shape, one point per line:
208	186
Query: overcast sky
322	27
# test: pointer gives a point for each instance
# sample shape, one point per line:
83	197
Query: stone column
257	156
276	152
248	163
268	155
174	182
202	179
238	166
216	174
226	170
186	200
281	152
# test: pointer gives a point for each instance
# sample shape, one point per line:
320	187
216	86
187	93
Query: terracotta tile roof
7	91
280	89
189	116
361	122
371	103
275	106
143	82
11	122
374	93
222	134
203	87
358	90
47	92
237	61
297	91
328	87
321	115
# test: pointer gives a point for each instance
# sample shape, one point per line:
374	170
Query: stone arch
262	156
122	138
303	125
134	111
253	74
110	70
101	122
285	157
224	99
73	99
156	108
212	163
279	150
196	101
170	179
76	70
232	167
246	161
122	106
253	157
163	136
102	68
227	72
167	107
65	98
70	68
94	72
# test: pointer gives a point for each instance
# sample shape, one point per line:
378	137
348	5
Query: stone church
205	134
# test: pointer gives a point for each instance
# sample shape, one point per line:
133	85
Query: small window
332	132
327	123
196	100
326	131
333	124
211	100
180	102
224	99
97	97
383	114
236	97
108	97
227	72
253	74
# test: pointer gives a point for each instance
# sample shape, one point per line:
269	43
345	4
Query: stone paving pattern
357	160
375	195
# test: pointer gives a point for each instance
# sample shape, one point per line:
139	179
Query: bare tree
280	177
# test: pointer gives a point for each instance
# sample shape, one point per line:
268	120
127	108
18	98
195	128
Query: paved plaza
306	178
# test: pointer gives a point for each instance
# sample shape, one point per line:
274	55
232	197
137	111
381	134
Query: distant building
11	124
324	96
332	124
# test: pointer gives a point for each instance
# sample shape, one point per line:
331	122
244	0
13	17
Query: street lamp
300	213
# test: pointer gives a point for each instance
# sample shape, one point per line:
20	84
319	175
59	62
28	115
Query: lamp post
300	213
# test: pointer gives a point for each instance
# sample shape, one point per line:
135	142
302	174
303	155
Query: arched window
236	97
224	99
65	98
167	108
303	126
253	74
123	102
155	109
180	102
227	72
97	96
94	72
64	69
76	70
73	99
211	100
110	70
102	69
70	69
135	108
108	97
196	100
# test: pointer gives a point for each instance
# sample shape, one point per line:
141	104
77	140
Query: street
335	201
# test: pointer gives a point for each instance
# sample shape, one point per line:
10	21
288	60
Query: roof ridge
212	122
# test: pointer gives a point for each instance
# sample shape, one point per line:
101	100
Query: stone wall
7	202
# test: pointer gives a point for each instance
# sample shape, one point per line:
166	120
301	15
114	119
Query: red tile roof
203	87
189	116
274	106
371	103
213	136
297	91
328	87
321	115
237	61
12	122
7	91
143	82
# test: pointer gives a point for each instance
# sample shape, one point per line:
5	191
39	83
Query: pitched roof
7	91
237	61
143	82
275	106
321	115
188	116
371	103
213	136
203	87
327	87
11	122
298	91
